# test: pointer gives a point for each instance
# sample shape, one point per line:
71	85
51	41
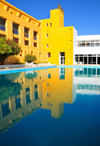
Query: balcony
15	28
15	31
2	24
35	34
2	27
26	32
26	35
35	38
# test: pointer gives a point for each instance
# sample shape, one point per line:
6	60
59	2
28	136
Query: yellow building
48	39
59	41
26	30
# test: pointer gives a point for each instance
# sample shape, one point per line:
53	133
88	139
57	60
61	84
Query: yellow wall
12	14
60	38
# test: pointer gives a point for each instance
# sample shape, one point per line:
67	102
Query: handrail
2	27
35	38
15	31
26	35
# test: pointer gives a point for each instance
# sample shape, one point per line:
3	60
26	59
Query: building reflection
46	89
28	99
87	81
58	90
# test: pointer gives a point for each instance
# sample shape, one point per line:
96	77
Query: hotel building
47	39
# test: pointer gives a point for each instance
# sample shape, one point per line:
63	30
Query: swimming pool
50	106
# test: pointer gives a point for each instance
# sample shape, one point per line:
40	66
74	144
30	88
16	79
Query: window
35	44
15	28
35	35
28	89
36	95
26	32
47	94
50	24
49	75
2	24
97	44
26	43
49	54
47	35
46	24
35	86
47	84
47	45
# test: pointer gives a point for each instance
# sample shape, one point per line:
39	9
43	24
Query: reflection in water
23	93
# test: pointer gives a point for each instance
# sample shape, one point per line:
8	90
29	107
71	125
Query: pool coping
16	70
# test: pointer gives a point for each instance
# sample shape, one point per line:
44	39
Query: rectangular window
35	35
46	24
35	86
49	54
2	24
47	94
47	35
35	44
15	28
26	43
49	75
26	32
47	45
50	24
28	89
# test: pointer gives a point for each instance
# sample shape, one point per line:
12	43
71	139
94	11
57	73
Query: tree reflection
8	88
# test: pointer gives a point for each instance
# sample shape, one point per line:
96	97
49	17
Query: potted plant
30	58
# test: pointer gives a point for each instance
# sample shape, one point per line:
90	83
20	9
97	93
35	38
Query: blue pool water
48	107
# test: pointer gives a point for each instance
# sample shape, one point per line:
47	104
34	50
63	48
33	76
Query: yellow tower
57	39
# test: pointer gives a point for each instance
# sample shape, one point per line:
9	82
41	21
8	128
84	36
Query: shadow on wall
11	60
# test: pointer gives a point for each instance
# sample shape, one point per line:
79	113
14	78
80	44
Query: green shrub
30	58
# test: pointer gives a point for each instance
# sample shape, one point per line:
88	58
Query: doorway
61	57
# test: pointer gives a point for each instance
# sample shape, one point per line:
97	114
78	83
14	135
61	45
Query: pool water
49	107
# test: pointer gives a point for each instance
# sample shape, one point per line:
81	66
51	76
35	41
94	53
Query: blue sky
84	15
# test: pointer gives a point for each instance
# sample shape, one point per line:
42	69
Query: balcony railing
26	35
35	38
2	27
15	31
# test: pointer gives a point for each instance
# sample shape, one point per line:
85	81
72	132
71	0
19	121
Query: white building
87	50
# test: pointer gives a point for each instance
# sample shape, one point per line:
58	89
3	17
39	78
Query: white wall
88	37
87	50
